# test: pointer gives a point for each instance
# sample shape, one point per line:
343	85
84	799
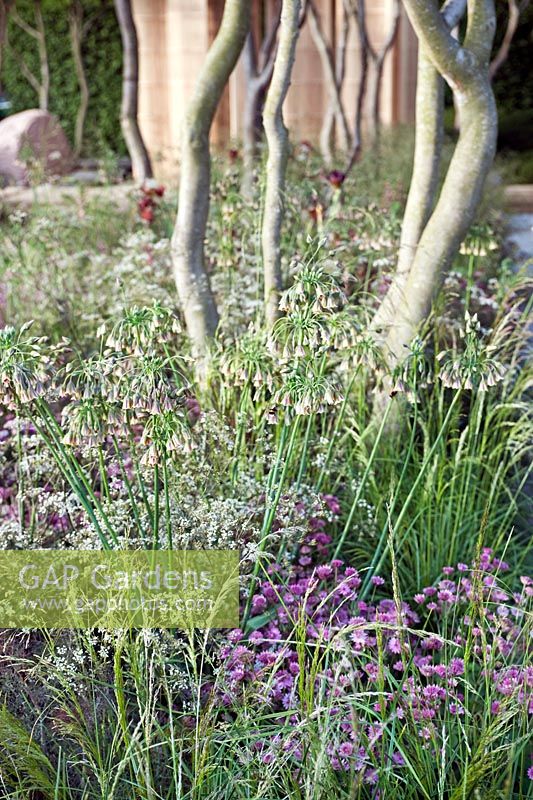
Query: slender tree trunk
192	282
328	67
424	180
76	35
3	28
358	11
512	24
140	160
258	72
44	92
250	114
453	215
326	132
277	138
466	69
378	59
42	86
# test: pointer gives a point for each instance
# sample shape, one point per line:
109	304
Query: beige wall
174	36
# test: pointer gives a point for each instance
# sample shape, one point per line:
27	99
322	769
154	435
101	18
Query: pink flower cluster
310	634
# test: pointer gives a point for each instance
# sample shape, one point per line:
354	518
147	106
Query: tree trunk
277	138
250	114
378	58
359	15
44	90
192	282
328	68
42	86
140	160
512	24
424	180
3	27
340	71
466	69
76	34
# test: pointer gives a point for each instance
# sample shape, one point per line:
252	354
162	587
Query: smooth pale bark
426	166
277	137
192	282
378	59
358	11
326	132
424	181
76	35
140	160
42	85
330	77
466	69
258	73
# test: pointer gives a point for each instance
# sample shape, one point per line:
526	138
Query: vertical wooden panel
173	39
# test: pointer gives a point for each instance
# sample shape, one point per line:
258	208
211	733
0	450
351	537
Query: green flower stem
127	484
166	491
155	525
303	459
361	486
338	422
272	503
240	432
464	494
138	474
20	476
380	553
72	480
56	433
103	473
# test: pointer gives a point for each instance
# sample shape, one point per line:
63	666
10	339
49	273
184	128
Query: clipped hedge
102	56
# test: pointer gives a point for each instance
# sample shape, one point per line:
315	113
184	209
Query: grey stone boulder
32	135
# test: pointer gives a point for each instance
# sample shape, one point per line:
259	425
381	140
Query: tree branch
451	60
328	66
358	11
452	12
480	29
28	74
269	43
21	23
512	24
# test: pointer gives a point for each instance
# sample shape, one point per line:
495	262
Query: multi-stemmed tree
434	224
434	227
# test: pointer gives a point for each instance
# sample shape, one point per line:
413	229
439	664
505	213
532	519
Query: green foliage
140	455
23	765
102	56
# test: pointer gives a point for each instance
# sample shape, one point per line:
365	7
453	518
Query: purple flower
395	645
456	666
324	571
377	580
332	503
346	749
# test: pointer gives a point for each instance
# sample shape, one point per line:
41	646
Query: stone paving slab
519	239
57	194
518	198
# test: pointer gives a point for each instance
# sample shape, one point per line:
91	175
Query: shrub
102	54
